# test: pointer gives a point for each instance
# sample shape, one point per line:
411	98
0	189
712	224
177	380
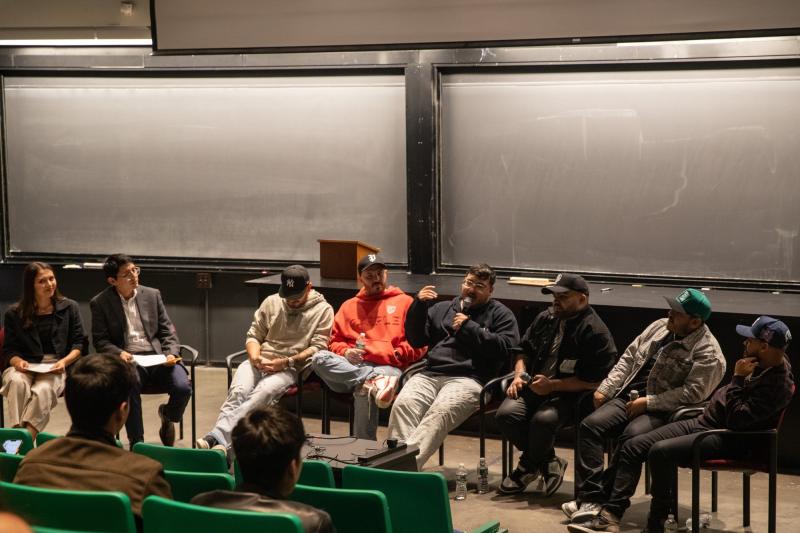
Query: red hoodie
381	318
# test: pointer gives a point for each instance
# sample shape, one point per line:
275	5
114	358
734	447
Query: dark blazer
68	333
109	323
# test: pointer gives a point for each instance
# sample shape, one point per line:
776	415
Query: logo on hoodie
391	309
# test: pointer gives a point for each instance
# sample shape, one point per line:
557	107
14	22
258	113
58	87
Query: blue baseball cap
768	329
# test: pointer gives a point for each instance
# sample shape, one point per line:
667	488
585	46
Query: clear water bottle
705	522
361	342
483	476
671	526
461	483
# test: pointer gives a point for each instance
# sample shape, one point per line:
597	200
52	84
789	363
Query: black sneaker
167	430
518	480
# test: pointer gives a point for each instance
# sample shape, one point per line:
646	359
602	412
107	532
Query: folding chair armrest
491	384
772	434
229	364
686	413
488	527
186	349
410	371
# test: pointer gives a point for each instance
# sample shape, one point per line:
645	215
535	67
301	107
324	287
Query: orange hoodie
381	318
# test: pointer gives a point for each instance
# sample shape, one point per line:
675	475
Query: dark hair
114	262
265	441
483	272
96	386
26	306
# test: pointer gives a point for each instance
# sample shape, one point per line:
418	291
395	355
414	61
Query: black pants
609	421
531	422
170	379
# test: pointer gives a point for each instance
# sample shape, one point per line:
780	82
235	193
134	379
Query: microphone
465	304
527	378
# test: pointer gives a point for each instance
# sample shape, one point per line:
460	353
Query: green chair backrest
94	511
9	462
161	515
184	459
352	511
40	529
418	501
313	474
186	485
8	436
44	436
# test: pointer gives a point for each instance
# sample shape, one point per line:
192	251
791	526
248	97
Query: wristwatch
289	362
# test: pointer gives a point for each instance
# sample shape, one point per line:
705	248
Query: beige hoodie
283	332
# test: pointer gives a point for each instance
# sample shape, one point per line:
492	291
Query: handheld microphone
465	304
527	378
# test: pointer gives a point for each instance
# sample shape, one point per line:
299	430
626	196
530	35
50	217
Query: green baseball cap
691	302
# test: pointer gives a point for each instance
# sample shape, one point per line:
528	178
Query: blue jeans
343	376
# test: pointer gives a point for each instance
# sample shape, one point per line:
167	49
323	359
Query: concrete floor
519	514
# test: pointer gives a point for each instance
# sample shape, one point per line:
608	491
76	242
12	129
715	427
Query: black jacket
478	350
68	333
587	350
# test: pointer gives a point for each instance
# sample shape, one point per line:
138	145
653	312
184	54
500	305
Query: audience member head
96	392
11	523
766	340
570	295
38	286
372	274
267	443
122	273
688	311
478	284
295	286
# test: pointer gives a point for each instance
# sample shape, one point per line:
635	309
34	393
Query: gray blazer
109	323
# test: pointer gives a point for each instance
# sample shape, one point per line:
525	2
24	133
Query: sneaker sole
576	528
557	486
566	512
580	517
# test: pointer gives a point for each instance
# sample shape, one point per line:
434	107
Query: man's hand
58	367
459	319
427	293
541	385
354	355
745	366
19	364
127	357
516	385
171	360
598	399
636	407
271	366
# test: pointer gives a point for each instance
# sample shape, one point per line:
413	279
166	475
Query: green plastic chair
350	509
12	434
161	515
40	529
44	436
186	485
314	474
184	459
9	462
78	510
418	501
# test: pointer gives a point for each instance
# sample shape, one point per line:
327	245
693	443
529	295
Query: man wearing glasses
130	319
469	339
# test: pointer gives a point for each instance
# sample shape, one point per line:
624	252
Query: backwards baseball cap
768	329
691	302
567	282
369	260
294	279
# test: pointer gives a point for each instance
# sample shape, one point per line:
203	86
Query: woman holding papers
43	335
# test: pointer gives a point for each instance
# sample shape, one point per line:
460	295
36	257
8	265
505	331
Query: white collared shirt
135	336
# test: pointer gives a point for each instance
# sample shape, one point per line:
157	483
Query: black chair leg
351	419
745	499
504	457
695	500
441	454
180	429
646	478
714	490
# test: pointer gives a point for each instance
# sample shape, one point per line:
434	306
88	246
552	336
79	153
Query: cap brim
293	293
372	265
554	289
675	305
745	331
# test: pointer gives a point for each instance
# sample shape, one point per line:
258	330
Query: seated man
288	328
760	389
374	318
128	319
469	340
567	350
87	458
675	362
267	443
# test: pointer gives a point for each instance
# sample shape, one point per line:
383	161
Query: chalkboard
691	173
240	168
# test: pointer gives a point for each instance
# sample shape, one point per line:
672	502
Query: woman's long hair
26	306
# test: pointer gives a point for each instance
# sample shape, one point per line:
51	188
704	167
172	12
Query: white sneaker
383	388
570	508
585	512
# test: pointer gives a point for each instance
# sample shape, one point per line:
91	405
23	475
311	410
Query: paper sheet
150	360
40	368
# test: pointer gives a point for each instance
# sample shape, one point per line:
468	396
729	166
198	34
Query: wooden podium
339	259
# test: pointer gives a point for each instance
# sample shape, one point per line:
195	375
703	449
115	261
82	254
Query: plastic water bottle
670	526
361	341
461	483
483	476
705	522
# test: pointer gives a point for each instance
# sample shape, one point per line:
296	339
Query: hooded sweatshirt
381	318
282	331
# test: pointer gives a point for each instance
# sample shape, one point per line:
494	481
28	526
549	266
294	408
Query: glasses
468	283
131	274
